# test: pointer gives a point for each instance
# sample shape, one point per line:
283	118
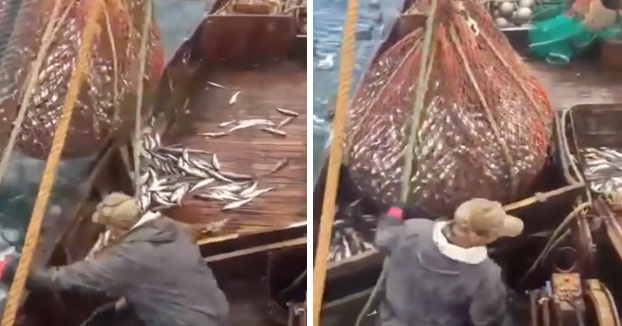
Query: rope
334	161
31	84
554	237
422	88
139	98
49	174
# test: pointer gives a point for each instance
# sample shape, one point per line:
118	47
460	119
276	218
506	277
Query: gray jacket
157	268
426	288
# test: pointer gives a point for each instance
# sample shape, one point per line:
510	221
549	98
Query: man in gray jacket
153	265
439	273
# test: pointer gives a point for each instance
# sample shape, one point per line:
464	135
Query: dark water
376	19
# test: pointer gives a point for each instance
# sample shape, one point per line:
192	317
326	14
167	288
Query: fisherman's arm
104	274
391	226
489	303
389	229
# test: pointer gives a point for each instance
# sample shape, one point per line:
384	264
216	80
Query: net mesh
476	83
107	97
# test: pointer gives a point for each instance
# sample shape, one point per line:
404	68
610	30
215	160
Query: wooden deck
582	82
250	151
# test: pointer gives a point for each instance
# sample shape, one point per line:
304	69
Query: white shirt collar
473	256
146	218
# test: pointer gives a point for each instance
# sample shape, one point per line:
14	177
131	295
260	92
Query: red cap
395	212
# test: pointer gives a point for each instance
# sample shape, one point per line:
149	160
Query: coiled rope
334	161
49	174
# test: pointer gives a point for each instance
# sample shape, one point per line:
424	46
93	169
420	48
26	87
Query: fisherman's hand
406	211
8	266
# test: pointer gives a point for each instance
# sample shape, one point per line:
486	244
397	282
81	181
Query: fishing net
107	97
485	126
559	39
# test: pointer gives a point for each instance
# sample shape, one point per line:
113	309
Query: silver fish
145	201
234	98
161	200
285	122
179	193
236	204
226	124
215	162
218	195
177	150
148	144
152	174
249	190
236	176
228	195
275	132
158	156
142	179
193	171
156	185
287	112
216	85
258	192
215	134
185	156
217	175
250	123
229	187
202	184
279	165
200	164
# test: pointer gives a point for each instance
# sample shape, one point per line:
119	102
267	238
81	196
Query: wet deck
583	82
251	151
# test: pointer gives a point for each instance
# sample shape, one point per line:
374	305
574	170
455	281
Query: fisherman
153	266
439	273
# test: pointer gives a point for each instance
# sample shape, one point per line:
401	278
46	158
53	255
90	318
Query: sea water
375	22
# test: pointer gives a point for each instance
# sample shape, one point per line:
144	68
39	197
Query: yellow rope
334	161
49	174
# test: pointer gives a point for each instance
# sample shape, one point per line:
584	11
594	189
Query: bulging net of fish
107	98
486	121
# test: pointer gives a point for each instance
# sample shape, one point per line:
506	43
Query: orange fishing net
108	94
486	121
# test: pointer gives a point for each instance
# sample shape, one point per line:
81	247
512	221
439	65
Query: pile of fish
168	173
603	168
346	242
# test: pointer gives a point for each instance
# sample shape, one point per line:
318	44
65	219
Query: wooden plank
335	305
273	246
368	259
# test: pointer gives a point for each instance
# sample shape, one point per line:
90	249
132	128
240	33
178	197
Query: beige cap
485	216
118	210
